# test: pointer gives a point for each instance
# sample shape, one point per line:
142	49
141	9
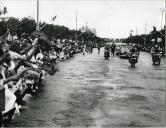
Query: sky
112	19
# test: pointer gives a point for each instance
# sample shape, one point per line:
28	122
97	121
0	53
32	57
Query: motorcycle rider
134	50
98	48
113	47
107	48
155	49
155	52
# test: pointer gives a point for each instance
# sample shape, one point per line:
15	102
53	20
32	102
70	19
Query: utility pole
136	31
145	32
162	12
37	26
76	28
131	31
94	32
145	26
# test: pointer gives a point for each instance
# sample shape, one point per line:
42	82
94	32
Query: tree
3	27
27	25
12	25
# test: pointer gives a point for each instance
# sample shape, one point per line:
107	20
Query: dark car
124	52
119	47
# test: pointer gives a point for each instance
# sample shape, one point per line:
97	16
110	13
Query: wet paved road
89	91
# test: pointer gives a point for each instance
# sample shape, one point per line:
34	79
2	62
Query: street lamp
76	28
38	29
162	12
37	26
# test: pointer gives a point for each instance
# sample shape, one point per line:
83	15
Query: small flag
4	10
54	18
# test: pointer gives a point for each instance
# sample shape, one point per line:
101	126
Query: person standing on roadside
98	47
84	49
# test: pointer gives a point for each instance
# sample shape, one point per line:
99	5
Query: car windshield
125	48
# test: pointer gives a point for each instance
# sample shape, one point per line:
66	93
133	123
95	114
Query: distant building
86	28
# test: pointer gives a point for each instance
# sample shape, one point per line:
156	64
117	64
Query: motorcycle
156	58
106	54
133	59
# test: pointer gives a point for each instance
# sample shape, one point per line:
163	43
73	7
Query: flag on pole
136	31
4	10
54	18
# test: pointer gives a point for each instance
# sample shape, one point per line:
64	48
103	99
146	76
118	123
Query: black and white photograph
82	63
